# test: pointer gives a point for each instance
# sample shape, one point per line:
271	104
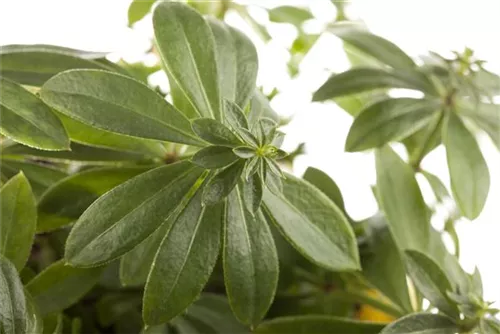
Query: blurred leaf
420	323
389	120
143	114
490	326
289	14
469	174
373	45
359	80
60	286
401	201
437	186
112	306
34	321
191	60
313	225
250	260
34	64
53	324
323	182
260	108
184	261
66	200
319	324
27	120
18	220
487	82
431	281
134	210
138	9
355	103
422	142
486	116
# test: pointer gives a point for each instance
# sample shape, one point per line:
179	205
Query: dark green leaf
96	98
187	49
313	225
18	220
66	200
237	63
138	9
422	323
60	286
373	45
222	183
401	201
53	324
213	157
252	191
289	14
115	305
250	261
317	324
184	262
234	116
34	321
244	152
430	280
389	120
27	120
134	210
215	132
324	183
470	177
34	64
358	80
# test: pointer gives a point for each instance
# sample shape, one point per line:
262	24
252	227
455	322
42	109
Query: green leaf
34	321
111	307
184	262
260	108
244	152
34	64
234	116
138	9
27	120
65	201
84	134
252	191
53	324
401	201
469	174
477	283
389	120
134	210
383	265
143	113
355	103
248	137
431	281
60	286
273	181
373	45
486	116
13	310
187	49
213	157
359	80
237	63
214	132
289	14
437	186
323	182
18	217
319	324
250	261
422	323
490	326
313	225
222	183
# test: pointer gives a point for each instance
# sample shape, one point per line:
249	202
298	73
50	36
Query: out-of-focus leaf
490	326
289	14
437	186
53	324
138	9
18	220
355	103
260	108
486	116
422	323
115	305
323	182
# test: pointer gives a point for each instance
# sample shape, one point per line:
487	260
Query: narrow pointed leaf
323	182
234	116
437	186
359	80
250	261
187	49
213	157
251	167
401	201
215	132
373	45
13	310
470	177
431	281
222	183
134	210
306	324
249	137
313	225
422	323
389	120
184	262
27	120
18	220
96	99
244	152
60	286
252	191
65	201
274	183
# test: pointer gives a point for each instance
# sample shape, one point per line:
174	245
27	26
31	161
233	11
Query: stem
365	299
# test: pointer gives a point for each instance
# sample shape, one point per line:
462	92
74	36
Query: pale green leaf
437	186
138	9
13	309
289	14
260	108
486	116
27	120
422	323
490	326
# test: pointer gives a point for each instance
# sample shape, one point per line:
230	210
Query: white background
416	26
